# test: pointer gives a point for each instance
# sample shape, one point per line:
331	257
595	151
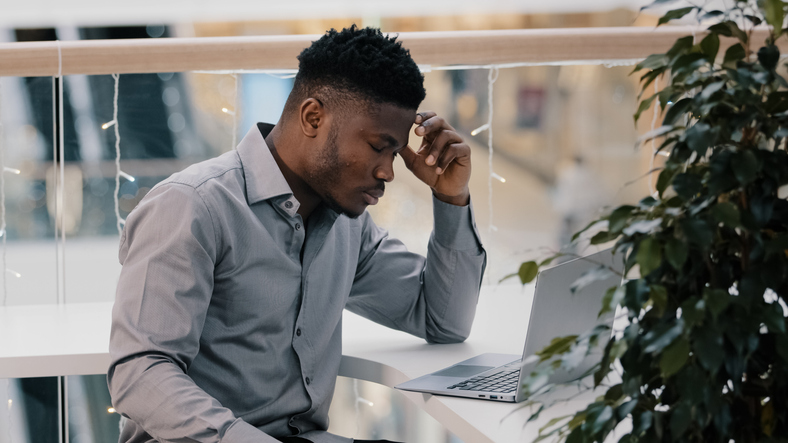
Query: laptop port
481	396
494	397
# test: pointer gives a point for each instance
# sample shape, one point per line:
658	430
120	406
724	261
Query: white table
49	340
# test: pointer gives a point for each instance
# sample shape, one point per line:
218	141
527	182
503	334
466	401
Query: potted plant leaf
704	353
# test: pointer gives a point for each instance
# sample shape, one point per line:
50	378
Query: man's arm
434	298
168	251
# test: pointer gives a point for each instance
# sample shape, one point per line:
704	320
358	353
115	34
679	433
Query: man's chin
339	209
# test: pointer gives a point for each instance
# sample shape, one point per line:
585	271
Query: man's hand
443	161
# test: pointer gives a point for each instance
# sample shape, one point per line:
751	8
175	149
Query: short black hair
361	62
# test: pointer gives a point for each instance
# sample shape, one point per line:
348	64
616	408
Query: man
227	320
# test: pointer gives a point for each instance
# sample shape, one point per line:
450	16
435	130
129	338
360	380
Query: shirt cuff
454	226
242	432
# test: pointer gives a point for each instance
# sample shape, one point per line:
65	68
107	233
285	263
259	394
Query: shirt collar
263	178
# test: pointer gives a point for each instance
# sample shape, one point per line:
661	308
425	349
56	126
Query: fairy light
118	173
111	410
108	124
498	177
480	129
128	177
492	76
227	111
12	170
14	273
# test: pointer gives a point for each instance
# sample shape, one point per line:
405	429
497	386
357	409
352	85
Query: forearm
453	273
158	396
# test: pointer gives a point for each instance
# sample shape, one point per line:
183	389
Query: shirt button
298	332
288	204
307	380
298	226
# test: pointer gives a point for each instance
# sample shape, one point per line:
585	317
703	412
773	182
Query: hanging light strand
118	220
2	203
492	76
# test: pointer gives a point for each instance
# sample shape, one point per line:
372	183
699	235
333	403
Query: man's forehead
390	124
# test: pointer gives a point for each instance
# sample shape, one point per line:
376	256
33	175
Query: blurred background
563	141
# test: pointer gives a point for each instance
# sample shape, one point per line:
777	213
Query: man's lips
372	196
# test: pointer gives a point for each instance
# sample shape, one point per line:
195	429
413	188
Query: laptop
555	312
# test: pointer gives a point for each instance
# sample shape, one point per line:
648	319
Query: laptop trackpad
463	371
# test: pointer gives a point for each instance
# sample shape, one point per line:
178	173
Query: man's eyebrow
389	140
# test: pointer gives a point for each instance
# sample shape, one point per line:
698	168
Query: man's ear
312	114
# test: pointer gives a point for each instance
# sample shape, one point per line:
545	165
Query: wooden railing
538	46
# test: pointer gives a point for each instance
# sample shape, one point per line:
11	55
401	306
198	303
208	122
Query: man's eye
375	149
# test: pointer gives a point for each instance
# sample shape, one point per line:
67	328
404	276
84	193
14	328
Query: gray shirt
227	324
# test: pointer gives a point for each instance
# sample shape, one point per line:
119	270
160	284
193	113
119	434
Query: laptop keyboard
501	381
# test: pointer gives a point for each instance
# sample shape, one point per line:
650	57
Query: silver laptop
555	312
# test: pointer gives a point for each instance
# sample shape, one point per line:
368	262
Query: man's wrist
457	200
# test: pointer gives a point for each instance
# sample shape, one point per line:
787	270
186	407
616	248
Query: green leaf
603	237
721	29
611	299
774	14
677	110
649	255
528	271
710	89
693	311
727	213
558	345
687	185
643	226
662	335
665	177
674	14
697	231
710	45
676	252
653	61
707	346
717	300
774	318
674	357
643	106
601	420
745	166
732	55
618	218
769	56
680	420
659	298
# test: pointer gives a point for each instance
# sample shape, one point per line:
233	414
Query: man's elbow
446	336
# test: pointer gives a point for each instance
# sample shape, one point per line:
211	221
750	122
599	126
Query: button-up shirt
227	321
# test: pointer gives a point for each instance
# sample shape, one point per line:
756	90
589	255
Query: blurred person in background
227	320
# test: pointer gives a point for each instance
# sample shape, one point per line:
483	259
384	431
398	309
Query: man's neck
307	198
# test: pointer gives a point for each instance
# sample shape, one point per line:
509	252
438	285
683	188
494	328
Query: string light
481	128
118	220
128	177
111	410
108	124
14	273
498	177
12	170
227	111
492	76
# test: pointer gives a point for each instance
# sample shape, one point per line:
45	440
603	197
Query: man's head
354	100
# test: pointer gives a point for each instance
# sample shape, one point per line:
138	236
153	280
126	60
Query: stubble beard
327	175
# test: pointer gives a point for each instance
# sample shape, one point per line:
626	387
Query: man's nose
385	171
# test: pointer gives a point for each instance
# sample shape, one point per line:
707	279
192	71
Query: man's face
350	170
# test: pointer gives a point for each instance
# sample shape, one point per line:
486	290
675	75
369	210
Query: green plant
705	354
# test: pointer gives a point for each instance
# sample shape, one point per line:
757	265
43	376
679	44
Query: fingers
429	123
459	152
443	149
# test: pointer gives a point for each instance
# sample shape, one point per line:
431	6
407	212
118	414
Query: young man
227	320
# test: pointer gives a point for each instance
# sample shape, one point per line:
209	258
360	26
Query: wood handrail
571	45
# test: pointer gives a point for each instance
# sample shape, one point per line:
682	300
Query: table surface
72	339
